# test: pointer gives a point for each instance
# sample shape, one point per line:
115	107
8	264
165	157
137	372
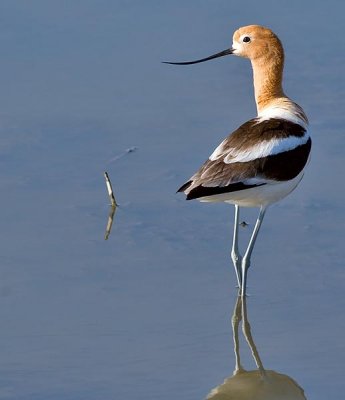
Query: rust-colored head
255	42
265	51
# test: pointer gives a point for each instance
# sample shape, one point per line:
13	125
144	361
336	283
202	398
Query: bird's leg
235	255
248	253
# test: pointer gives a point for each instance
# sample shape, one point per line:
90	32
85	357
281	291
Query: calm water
147	313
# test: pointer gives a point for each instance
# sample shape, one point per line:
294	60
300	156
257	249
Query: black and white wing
257	153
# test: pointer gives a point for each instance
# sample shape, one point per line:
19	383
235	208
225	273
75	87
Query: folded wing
256	154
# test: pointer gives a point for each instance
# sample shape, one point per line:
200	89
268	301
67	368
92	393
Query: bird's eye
246	39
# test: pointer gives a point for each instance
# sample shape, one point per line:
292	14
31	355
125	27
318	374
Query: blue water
147	313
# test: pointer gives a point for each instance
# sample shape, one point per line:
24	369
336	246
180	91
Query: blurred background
147	313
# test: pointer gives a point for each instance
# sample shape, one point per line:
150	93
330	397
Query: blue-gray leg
235	255
246	258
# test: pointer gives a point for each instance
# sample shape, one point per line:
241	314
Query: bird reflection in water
258	384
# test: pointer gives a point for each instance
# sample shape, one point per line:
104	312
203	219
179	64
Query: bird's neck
271	101
268	76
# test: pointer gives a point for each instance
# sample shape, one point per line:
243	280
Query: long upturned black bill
221	54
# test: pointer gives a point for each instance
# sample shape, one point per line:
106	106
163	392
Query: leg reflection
257	384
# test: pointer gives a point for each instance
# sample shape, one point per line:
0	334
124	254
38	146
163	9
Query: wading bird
264	159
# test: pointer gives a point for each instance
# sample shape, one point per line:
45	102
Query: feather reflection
110	222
